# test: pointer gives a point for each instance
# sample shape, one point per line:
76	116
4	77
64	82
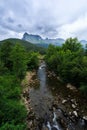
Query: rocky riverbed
52	105
68	96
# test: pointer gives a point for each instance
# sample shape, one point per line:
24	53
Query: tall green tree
68	62
32	60
18	57
5	51
72	44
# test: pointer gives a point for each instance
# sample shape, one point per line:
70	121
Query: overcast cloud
49	18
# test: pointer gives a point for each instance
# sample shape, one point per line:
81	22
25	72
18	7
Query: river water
54	115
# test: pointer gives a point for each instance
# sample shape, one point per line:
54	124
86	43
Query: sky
48	18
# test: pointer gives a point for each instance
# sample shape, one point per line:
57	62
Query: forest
68	61
14	62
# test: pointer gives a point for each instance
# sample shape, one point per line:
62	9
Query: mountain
36	39
31	38
83	42
28	46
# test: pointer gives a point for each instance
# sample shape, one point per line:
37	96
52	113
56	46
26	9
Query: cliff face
31	38
36	39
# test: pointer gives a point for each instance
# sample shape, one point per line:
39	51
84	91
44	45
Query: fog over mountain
38	40
47	18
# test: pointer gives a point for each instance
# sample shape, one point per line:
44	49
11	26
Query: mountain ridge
28	46
37	39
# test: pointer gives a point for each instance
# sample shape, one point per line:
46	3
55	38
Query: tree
72	44
51	57
69	61
18	57
86	49
12	112
33	60
5	51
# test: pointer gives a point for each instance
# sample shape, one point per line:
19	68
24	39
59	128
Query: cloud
76	28
49	18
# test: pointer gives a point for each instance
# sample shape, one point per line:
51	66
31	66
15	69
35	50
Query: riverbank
68	94
68	97
66	102
29	81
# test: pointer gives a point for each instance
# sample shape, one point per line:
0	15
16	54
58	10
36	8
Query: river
54	105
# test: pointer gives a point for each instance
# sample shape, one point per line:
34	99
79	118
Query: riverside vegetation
14	62
69	62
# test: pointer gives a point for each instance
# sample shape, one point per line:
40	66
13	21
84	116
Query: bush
83	89
11	110
69	62
33	61
8	126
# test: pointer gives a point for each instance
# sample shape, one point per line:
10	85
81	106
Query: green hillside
29	46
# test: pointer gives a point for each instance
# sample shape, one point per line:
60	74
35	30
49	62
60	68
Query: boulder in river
85	117
75	113
64	101
73	106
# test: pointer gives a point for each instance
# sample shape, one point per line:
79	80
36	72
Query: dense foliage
28	46
14	62
32	60
69	62
12	112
